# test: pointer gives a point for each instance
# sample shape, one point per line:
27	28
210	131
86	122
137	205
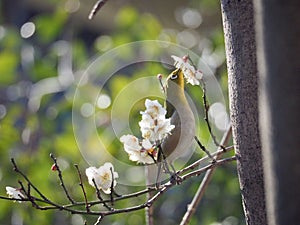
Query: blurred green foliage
36	95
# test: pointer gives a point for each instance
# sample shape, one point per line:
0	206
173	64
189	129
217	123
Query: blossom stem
61	178
206	108
16	169
82	188
97	6
99	196
204	149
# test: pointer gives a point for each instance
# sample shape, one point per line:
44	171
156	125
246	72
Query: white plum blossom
147	124
103	177
137	152
14	193
190	73
154	126
131	143
156	130
154	109
179	63
162	129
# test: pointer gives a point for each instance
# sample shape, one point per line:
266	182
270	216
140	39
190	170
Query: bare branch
61	178
112	187
27	193
16	169
82	188
202	160
99	195
98	220
98	5
204	149
199	194
147	204
102	214
206	108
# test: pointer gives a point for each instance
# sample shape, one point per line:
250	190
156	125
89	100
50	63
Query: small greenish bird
178	109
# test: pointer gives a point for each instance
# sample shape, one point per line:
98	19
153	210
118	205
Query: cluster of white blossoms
154	127
190	73
102	177
14	193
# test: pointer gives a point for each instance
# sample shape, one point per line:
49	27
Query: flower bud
54	167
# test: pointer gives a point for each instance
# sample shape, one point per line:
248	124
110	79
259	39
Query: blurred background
45	48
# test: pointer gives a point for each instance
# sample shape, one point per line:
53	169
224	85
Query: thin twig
82	188
61	178
16	169
14	199
97	6
198	172
29	197
112	187
166	187
202	160
147	204
204	149
136	194
208	167
91	203
99	196
206	108
200	192
149	220
28	189
98	220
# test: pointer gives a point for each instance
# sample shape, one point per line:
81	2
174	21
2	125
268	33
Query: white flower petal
178	62
146	144
154	109
102	177
91	174
14	193
192	76
131	143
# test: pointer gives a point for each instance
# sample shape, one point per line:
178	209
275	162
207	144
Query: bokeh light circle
97	131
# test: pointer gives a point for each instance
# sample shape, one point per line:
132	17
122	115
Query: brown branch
61	178
91	203
206	108
14	199
136	194
29	183
27	193
16	169
97	6
168	185
147	204
98	220
99	195
82	188
110	211
200	192
202	160
112	186
208	167
204	149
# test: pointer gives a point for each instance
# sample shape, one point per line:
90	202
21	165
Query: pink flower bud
53	167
